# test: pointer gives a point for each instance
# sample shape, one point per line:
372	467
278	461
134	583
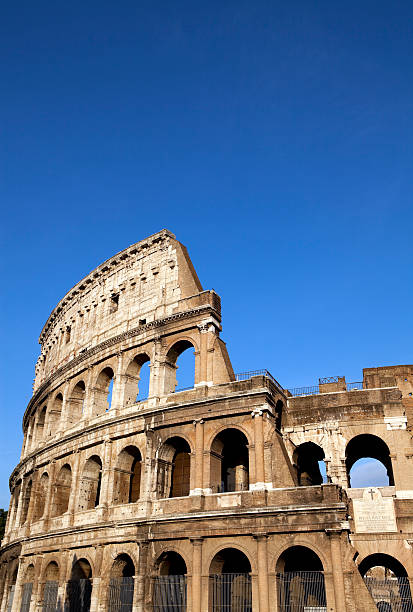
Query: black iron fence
11	597
78	595
121	594
301	592
169	594
390	594
26	596
50	596
230	592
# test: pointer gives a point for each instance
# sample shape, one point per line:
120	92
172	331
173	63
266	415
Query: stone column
336	562
74	489
96	580
33	499
199	458
141	578
49	494
155	377
20	504
203	357
65	407
196	574
106	485
118	384
259	450
262	572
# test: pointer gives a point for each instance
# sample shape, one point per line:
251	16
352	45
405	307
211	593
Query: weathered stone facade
210	498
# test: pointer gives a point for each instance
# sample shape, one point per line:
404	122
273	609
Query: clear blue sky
273	138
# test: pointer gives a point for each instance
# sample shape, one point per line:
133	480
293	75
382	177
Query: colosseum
231	495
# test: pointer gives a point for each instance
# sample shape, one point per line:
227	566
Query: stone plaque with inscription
374	513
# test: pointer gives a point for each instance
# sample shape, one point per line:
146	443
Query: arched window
51	586
12	587
103	392
76	404
89	492
27	589
376	469
79	587
127	482
41	497
230	581
229	462
174	468
300	580
62	491
121	585
137	379
180	367
55	412
309	460
25	502
387	582
170	583
15	506
41	424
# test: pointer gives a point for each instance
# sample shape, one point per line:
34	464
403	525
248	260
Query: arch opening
300	580
54	415
376	451
61	495
27	589
180	367
174	468
26	502
387	582
230	581
170	585
79	587
103	392
127	481
76	403
137	379
90	484
50	588
121	585
229	462
40	426
41	497
309	460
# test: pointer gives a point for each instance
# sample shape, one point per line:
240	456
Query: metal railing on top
315	390
251	373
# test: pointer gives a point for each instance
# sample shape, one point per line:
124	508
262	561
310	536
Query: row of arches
309	460
229	471
92	398
299	583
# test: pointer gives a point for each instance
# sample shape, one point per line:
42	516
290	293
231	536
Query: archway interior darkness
137	379
50	587
55	412
229	462
127	482
79	587
174	468
180	367
369	446
170	583
300	580
309	459
121	585
25	502
27	589
76	403
62	491
90	484
41	422
41	497
387	582
230	581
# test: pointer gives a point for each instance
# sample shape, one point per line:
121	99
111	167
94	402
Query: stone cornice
98	348
94	276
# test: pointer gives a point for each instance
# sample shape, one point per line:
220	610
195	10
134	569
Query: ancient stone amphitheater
203	499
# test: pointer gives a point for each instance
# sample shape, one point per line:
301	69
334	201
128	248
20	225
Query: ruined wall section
138	285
